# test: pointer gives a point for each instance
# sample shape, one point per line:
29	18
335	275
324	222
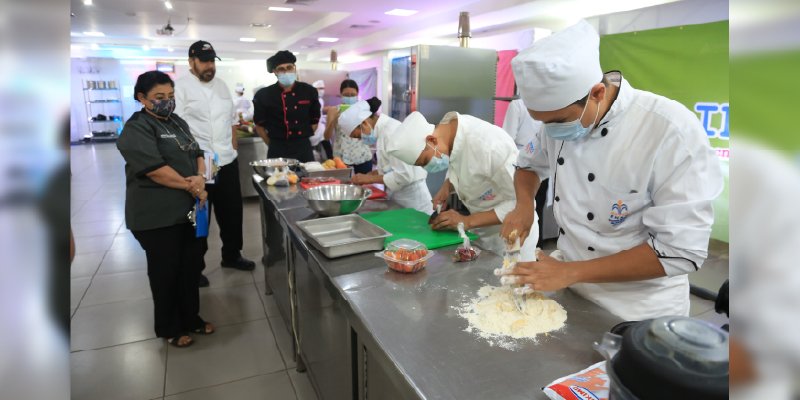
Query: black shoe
203	281
239	263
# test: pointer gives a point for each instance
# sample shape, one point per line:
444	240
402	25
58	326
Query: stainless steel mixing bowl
267	167
330	200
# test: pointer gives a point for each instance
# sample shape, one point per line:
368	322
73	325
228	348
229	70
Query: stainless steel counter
369	333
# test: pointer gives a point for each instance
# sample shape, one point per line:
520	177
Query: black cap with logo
203	51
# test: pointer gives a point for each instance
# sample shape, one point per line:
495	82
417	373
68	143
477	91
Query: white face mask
321	92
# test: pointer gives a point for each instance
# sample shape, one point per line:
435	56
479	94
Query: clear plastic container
405	255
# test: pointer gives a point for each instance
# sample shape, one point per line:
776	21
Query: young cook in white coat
406	183
479	159
633	180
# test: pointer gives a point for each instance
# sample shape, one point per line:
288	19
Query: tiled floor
115	354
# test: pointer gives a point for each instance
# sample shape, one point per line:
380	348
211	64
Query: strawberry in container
405	255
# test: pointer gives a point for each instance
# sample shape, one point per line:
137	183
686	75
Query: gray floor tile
699	306
713	318
85	264
111	324
302	385
96	228
118	287
269	302
233	352
132	371
77	288
219	277
230	305
271	386
93	244
89	213
284	340
125	242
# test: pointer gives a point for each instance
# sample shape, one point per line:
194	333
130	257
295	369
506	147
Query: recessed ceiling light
284	9
95	46
94	33
247	39
75	34
328	39
400	12
260	25
87	2
146	48
168	4
170	49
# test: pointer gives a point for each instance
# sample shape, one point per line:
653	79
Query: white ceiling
129	25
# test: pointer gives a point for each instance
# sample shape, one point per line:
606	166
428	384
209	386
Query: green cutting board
408	223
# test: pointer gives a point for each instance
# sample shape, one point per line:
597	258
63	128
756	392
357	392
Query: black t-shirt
148	144
287	115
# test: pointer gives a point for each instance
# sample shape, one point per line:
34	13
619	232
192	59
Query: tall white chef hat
408	140
354	116
560	69
319	84
239	88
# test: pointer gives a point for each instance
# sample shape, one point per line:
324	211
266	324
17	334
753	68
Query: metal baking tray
344	175
343	235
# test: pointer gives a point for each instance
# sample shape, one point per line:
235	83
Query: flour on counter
493	316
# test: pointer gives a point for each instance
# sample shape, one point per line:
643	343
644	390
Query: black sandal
207	329
176	341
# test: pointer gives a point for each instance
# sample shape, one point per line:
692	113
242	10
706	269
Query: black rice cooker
669	358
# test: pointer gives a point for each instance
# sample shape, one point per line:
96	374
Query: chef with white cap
319	133
479	160
242	105
405	183
633	180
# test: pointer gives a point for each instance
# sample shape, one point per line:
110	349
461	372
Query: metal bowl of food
267	167
330	200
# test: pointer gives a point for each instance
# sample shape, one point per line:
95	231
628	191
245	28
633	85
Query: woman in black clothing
164	171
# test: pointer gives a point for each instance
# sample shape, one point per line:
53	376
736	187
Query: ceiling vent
300	2
359	26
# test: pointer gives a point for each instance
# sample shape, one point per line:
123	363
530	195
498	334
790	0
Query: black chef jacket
287	115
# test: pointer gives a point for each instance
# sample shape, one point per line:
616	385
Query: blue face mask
287	79
349	100
437	164
573	130
369	138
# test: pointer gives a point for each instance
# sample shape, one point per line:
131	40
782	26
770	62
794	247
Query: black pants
326	145
173	267
226	194
299	149
363	168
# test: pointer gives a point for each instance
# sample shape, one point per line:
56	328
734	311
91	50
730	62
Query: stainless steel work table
366	332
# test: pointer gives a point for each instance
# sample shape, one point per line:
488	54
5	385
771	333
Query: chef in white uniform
243	105
633	180
479	160
405	183
519	124
319	133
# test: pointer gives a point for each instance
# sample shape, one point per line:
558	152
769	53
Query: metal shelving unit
103	98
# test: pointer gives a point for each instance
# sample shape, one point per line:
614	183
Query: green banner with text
688	64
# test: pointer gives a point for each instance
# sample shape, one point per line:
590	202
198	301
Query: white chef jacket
519	124
208	109
244	106
406	183
319	134
646	173
482	172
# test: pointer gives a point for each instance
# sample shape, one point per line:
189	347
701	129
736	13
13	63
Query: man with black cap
206	105
286	113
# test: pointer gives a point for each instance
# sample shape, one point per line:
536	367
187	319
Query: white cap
407	142
319	84
240	88
353	117
560	69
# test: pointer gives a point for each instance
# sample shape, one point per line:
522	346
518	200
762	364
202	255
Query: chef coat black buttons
560	160
591	248
604	132
590	216
558	198
561	231
591	177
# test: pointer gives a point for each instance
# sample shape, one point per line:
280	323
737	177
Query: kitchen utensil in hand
435	214
510	258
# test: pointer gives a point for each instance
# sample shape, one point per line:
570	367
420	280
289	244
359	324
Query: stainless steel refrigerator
437	79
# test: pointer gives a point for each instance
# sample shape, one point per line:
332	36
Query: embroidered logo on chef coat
168	136
488	195
529	147
619	211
